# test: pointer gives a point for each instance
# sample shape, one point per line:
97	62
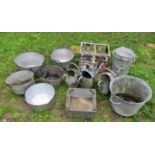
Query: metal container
105	79
29	61
86	80
20	81
72	75
39	96
62	57
52	75
93	57
129	94
122	60
81	103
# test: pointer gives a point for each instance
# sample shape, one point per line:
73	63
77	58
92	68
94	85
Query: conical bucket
129	94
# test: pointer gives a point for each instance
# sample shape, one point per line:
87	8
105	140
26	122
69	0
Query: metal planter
81	103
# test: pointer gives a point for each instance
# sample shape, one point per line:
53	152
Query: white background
77	16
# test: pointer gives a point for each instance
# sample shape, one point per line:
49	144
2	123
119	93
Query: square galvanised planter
81	103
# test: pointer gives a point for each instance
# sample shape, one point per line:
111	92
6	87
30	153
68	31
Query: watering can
72	75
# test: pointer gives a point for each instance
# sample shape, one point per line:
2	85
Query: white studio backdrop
77	138
77	15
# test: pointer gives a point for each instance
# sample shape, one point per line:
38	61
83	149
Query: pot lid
124	53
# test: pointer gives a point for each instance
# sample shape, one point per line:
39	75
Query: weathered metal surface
81	103
122	60
93	57
129	94
52	75
72	75
62	57
20	81
30	61
86	80
39	96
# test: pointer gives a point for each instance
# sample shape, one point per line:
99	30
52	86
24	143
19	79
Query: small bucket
122	60
86	80
20	81
105	79
129	94
52	75
72	75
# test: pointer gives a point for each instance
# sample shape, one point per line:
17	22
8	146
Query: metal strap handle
79	80
73	64
115	74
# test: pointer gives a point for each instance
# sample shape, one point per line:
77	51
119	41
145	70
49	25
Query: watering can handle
73	64
79	80
114	102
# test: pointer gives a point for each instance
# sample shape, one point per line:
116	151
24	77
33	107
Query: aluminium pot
30	61
52	74
20	81
39	96
62	57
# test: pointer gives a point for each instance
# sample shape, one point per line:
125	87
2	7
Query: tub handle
114	102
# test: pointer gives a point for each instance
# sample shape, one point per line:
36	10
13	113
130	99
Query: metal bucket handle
79	80
110	71
99	83
73	64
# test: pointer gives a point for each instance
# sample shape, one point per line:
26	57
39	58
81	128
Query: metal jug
105	79
72	75
86	80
